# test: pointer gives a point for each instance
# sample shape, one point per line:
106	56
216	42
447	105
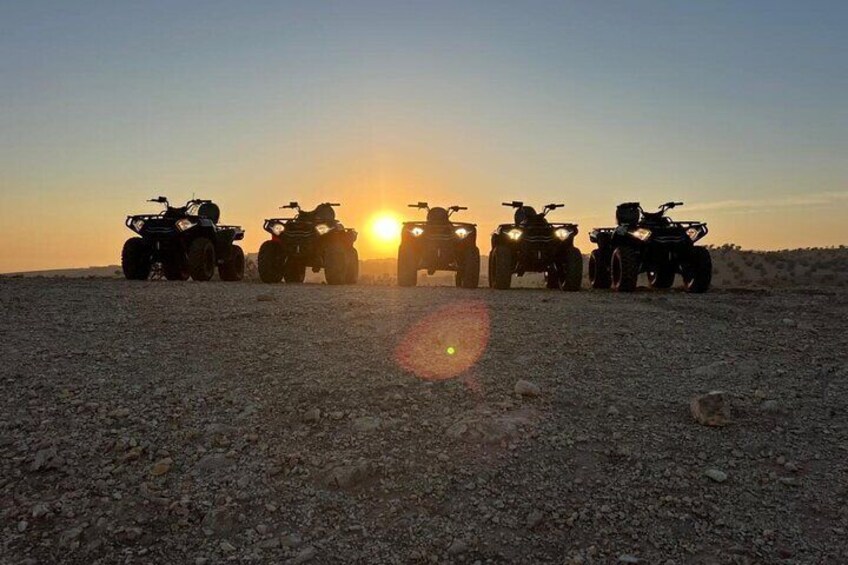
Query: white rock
716	475
526	388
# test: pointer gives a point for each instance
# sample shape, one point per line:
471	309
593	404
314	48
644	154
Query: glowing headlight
416	231
514	234
322	229
461	233
642	234
693	233
562	234
138	224
277	228
184	224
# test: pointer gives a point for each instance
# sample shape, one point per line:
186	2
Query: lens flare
446	343
385	227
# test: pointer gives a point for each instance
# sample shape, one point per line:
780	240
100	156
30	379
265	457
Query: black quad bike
312	239
185	241
532	244
649	242
439	245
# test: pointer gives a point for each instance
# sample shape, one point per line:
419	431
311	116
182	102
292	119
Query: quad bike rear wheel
698	271
625	269
294	272
233	268
270	262
470	269
503	267
571	270
136	260
599	272
407	268
352	272
335	264
661	276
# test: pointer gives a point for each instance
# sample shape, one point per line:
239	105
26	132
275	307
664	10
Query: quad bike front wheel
599	272
335	265
352	271
136	260
201	259
698	271
502	269
407	269
232	269
571	271
625	269
468	275
661	276
270	262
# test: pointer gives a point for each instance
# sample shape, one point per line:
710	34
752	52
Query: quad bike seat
627	213
437	216
527	215
210	211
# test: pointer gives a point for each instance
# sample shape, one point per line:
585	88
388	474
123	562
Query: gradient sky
740	109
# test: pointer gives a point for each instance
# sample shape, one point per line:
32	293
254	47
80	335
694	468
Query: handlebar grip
506	204
333	204
412	205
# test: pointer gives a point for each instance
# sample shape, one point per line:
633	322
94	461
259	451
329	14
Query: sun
385	227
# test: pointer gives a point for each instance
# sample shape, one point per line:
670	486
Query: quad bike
313	239
185	241
652	243
532	244
438	244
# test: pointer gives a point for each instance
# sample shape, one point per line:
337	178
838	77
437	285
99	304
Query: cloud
793	201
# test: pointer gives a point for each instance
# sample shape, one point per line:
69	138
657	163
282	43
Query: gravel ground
199	423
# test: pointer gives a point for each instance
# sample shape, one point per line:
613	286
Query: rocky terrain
201	423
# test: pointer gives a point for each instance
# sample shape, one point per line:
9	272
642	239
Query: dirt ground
199	423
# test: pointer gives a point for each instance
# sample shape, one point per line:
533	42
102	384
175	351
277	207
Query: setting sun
385	228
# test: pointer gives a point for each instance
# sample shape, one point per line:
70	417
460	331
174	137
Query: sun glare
385	227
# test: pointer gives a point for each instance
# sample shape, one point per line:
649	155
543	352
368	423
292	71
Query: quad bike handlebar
426	206
669	206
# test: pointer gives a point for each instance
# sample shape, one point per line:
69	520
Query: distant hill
733	267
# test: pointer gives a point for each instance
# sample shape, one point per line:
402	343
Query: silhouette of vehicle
310	239
649	242
532	244
438	244
186	241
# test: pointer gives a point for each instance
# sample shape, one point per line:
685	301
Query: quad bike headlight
461	233
693	233
138	224
322	229
277	228
184	224
514	234
562	234
416	231
642	234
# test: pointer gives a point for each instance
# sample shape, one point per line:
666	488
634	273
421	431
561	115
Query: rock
716	475
227	547
290	540
161	467
22	525
711	409
47	458
213	462
305	555
627	558
312	415
770	407
220	521
347	475
789	322
457	546
526	388
119	413
534	519
40	510
366	424
265	298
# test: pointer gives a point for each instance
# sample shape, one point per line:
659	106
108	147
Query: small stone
265	298
227	547
711	409
261	529
627	558
457	546
305	555
789	322
716	475
612	411
22	525
526	388
312	415
161	467
534	519
290	540
119	413
366	424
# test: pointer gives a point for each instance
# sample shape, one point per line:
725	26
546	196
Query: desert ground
200	423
